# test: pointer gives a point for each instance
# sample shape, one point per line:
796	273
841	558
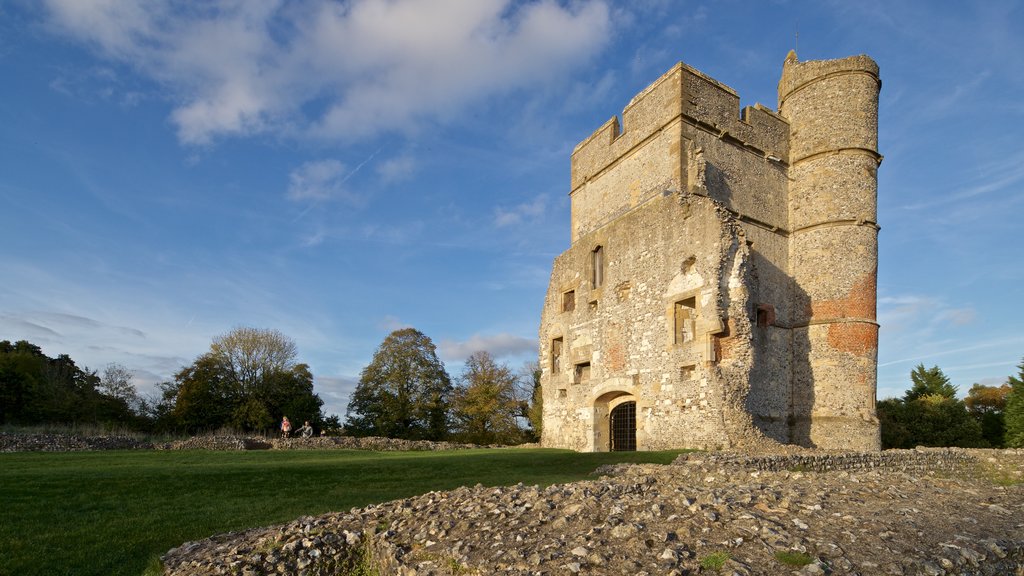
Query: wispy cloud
335	392
392	323
951	100
1006	172
515	215
336	70
318	180
497	345
397	169
919	322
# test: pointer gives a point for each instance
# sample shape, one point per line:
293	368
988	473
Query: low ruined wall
75	443
910	461
367	443
68	443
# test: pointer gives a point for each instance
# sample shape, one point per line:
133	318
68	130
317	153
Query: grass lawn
115	512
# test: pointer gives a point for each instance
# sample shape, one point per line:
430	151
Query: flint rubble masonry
722	269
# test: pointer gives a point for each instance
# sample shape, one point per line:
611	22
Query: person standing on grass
286	427
306	430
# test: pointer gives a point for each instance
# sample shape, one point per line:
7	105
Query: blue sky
336	170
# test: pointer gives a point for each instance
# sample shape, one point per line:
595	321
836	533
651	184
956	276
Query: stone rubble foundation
925	511
74	443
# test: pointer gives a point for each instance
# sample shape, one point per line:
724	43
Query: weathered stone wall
68	443
766	219
832	108
73	443
688	393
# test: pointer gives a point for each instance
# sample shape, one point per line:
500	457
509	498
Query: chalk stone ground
902	512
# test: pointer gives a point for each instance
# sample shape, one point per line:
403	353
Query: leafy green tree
987	404
485	407
535	409
932	420
928	381
404	392
1013	416
37	389
203	398
929	414
252	356
891	418
248	380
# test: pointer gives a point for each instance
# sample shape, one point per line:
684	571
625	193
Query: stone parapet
700	101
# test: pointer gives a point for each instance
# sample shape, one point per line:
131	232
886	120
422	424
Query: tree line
248	380
251	378
930	414
405	392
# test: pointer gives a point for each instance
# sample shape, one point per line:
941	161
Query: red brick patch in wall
860	303
616	356
858	338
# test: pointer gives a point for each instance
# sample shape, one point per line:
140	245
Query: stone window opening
597	267
686	372
568	301
764	315
556	355
684	314
582	373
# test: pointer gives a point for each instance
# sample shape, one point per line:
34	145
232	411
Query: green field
115	512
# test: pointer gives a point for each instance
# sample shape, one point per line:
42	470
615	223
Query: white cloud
517	214
335	392
397	169
318	180
392	323
497	345
339	70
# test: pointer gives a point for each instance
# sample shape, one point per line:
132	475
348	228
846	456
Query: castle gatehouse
719	290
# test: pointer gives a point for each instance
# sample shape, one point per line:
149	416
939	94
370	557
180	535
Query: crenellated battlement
683	94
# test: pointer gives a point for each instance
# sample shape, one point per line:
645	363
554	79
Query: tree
987	404
403	393
929	381
121	397
932	420
929	414
485	407
1013	416
37	389
203	398
251	356
248	380
535	409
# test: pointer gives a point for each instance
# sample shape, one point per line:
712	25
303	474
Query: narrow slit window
684	314
597	267
556	355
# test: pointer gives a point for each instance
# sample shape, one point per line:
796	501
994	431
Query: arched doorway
622	424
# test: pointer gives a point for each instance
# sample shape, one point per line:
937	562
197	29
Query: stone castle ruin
719	291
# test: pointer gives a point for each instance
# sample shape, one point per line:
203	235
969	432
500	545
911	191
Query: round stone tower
832	109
